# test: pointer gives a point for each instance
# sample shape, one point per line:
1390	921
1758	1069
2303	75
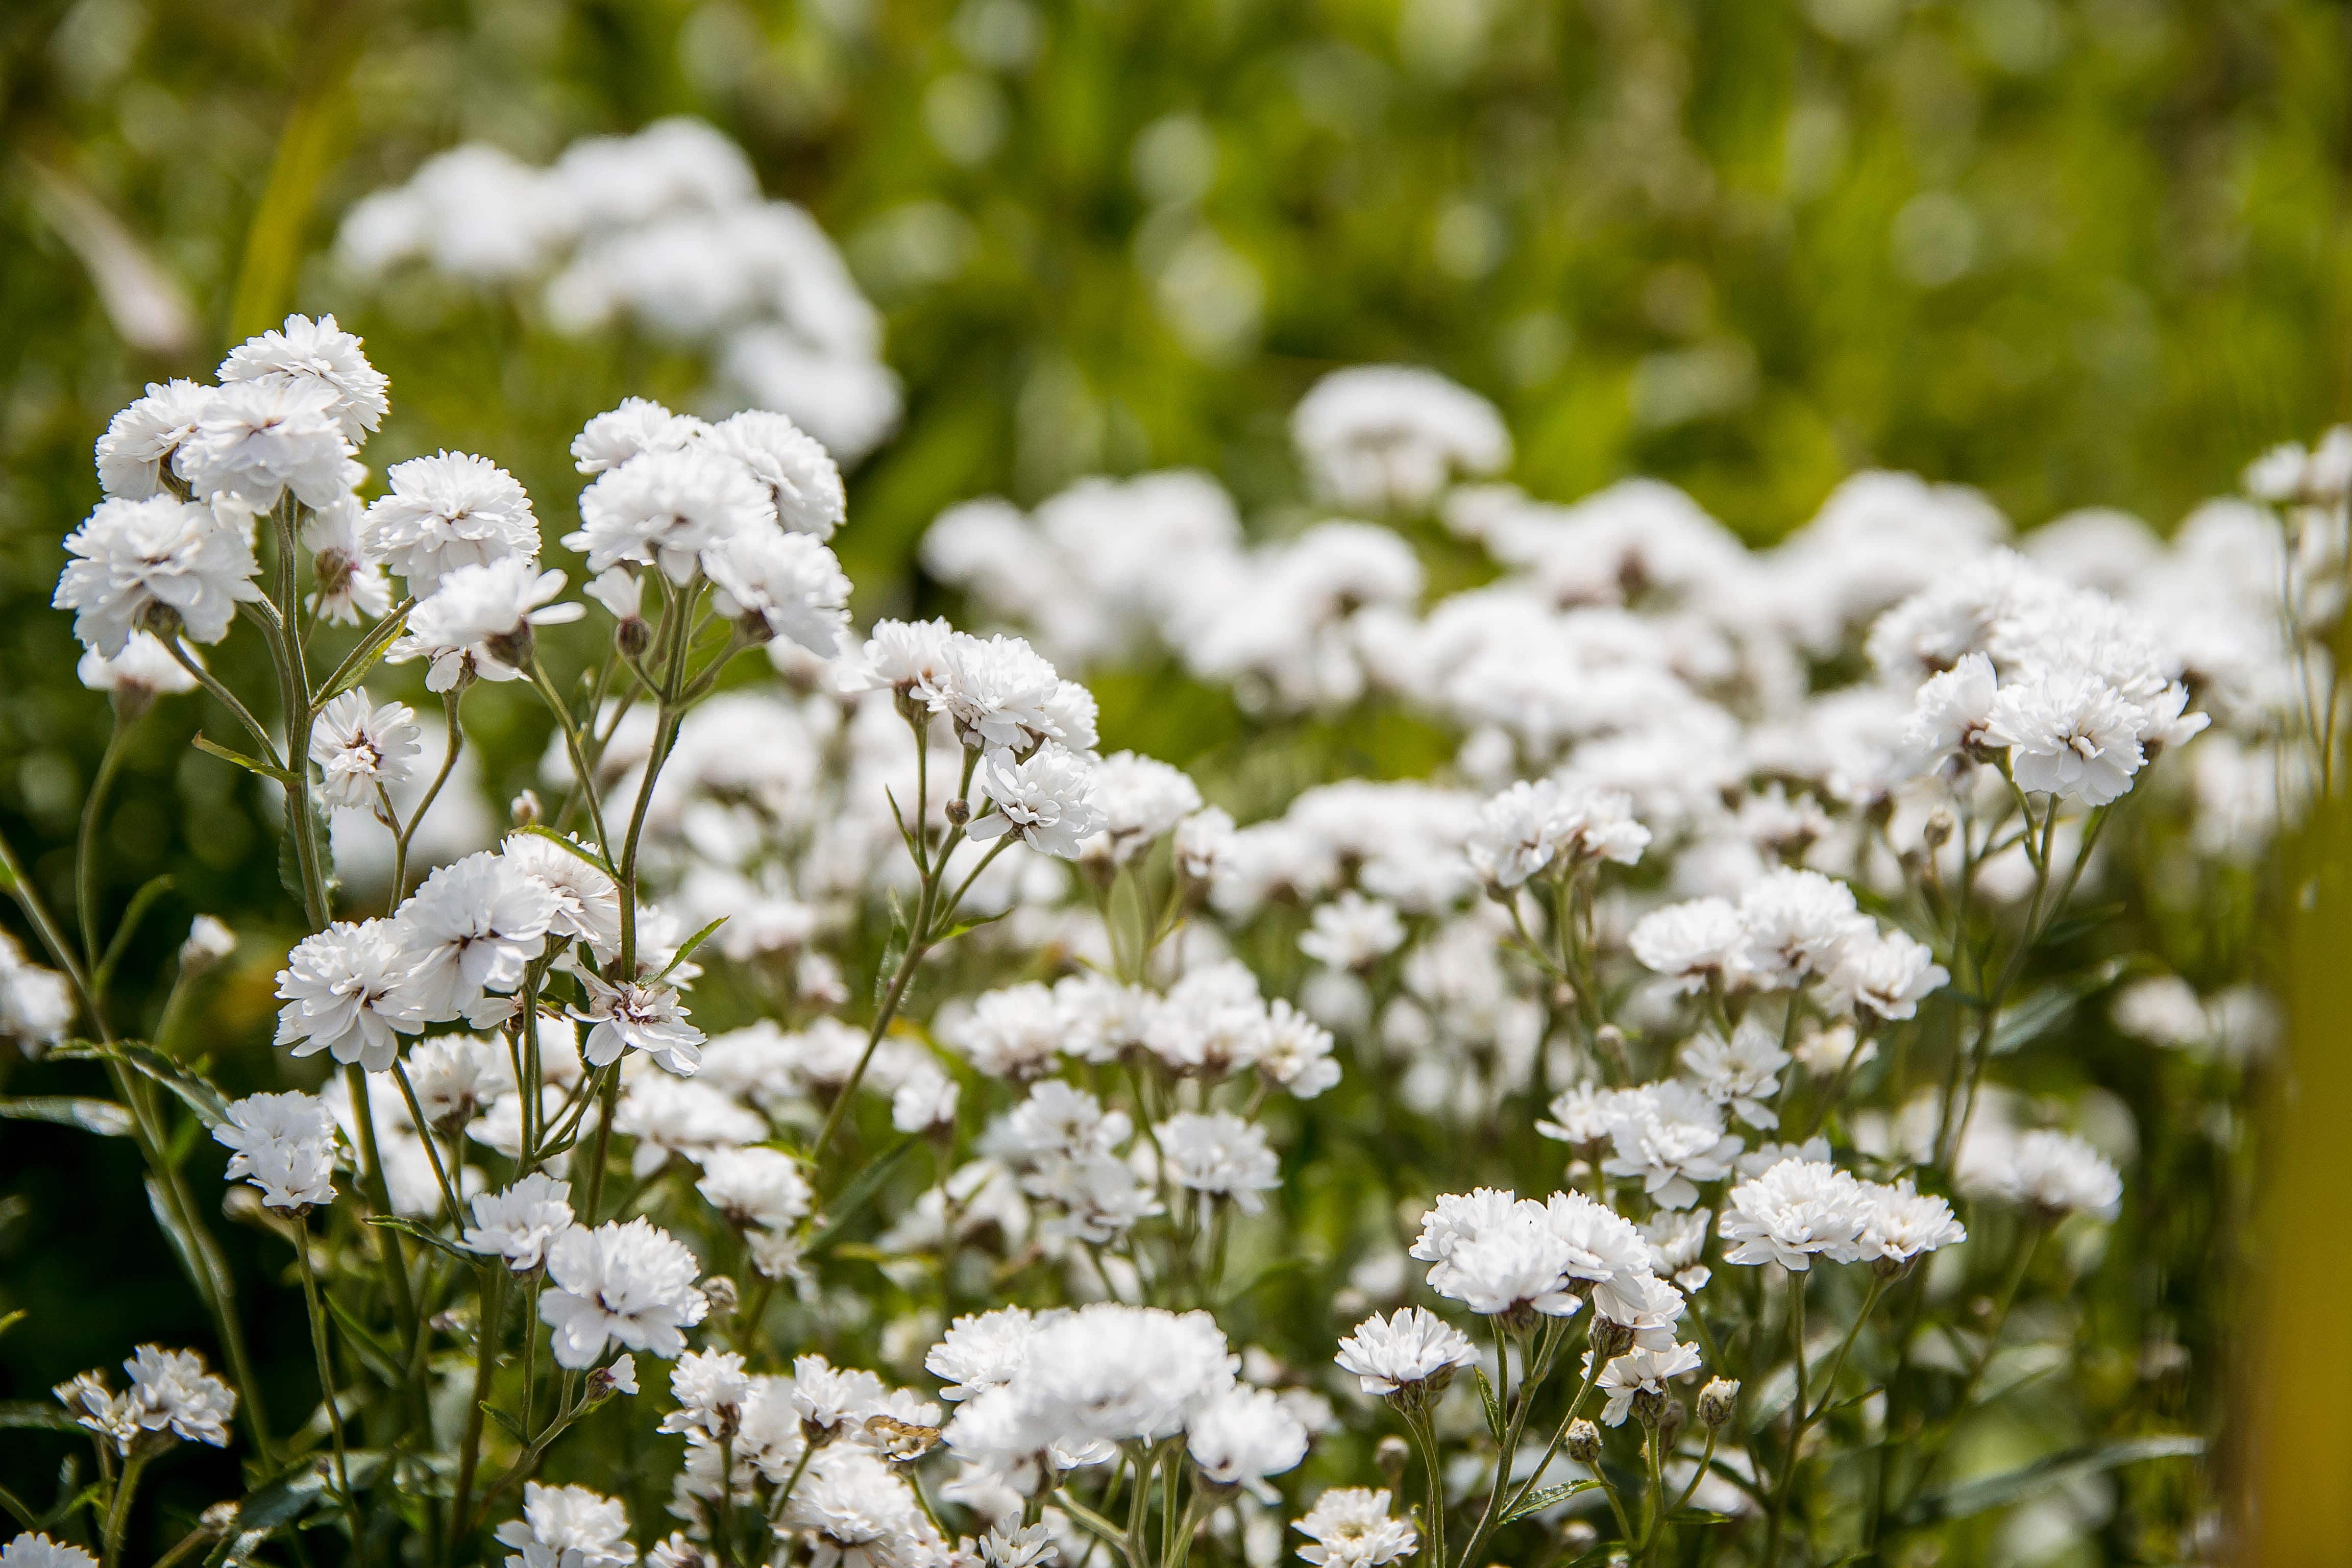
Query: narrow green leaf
195	1249
142	901
16	1506
409	1227
861	1188
1494	1406
378	1357
45	1415
506	1423
539	830
2038	1014
686	950
250	764
10	1320
198	1092
1698	1516
1536	1503
2043	1475
294	1492
960	926
103	1117
363	658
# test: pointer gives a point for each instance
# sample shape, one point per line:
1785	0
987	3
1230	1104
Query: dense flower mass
995	1131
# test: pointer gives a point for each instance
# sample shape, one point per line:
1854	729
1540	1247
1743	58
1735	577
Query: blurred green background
2085	253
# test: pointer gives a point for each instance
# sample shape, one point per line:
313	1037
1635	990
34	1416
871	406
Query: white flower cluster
666	231
171	1396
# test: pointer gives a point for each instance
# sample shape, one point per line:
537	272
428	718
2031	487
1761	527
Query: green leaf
1976	1497
208	1103
43	1415
861	1188
960	926
16	1506
686	949
2037	1015
378	1357
1494	1406
249	763
142	901
363	658
1697	1516
409	1227
293	1492
10	1320
103	1117
507	1423
539	830
195	1249
1536	1503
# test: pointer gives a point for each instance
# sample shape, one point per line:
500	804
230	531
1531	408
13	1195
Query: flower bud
720	1289
1717	1400
525	809
959	811
1938	830
1672	1420
1583	1443
633	637
1609	1340
1392	1454
1650	1407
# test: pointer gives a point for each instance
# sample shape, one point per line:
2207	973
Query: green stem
118	1512
297	1232
486	1360
85	845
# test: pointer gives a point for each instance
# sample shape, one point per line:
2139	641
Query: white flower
449	510
456	1076
135	559
2071	734
347	989
782	585
1888	974
1390	437
856	1513
1493	1252
1951	716
1204	843
1692	943
1798	923
1582	1114
1605	1248
925	1099
1671	1136
1352	932
830	1399
208	941
902	657
478	622
621	590
320	357
33	1550
283	1144
981	1352
664	508
2056	1172
360	748
1531	826
1350	1527
1031	1546
1741	1073
1103	1373
1295	1052
1410	1346
1220	1154
169	1392
472	928
144	668
1796	1210
628	1282
997	691
518	1222
1642	1370
1245	1435
755	1187
1140	798
800	475
711	1390
567	1527
352	586
641	1016
144	440
1045	799
258	440
1904	1223
638	425
587	900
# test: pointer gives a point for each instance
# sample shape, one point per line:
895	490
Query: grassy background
2078	254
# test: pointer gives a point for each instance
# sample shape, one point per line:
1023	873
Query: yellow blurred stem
309	146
